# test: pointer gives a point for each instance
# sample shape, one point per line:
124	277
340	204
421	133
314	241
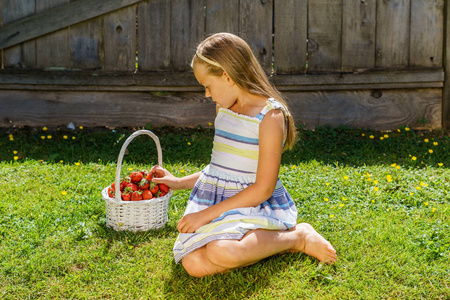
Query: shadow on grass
237	284
331	146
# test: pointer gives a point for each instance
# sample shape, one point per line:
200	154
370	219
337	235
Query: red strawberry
136	176
126	194
136	196
144	184
111	192
133	186
153	188
164	188
149	176
146	195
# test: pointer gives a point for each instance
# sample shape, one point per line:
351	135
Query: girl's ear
227	77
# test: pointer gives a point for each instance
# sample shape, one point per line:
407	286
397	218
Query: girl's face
221	89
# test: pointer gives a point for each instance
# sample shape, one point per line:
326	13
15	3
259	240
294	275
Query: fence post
446	50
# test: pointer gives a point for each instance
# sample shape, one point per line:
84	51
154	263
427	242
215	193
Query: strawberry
144	184
126	194
136	196
133	186
136	176
111	192
164	188
146	195
149	176
153	188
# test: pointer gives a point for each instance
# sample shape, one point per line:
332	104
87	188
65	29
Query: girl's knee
194	264
221	253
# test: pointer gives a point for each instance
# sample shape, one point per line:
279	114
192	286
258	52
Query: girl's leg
222	255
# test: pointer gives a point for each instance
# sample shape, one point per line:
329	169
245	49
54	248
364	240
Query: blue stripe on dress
237	138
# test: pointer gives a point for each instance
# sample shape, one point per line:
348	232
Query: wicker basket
135	215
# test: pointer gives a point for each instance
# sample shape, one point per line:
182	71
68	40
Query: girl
239	212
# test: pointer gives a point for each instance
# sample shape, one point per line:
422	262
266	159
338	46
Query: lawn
381	198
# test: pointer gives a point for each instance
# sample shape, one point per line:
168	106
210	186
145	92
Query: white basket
135	215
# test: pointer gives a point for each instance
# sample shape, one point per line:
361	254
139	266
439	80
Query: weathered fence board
393	45
52	50
187	30
56	18
324	35
222	16
358	35
154	35
255	18
360	109
86	40
23	55
120	40
427	33
290	31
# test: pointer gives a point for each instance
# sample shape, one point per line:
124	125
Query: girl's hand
191	222
164	176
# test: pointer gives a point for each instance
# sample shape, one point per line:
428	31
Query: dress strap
271	103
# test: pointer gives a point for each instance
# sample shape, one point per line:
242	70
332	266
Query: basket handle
118	197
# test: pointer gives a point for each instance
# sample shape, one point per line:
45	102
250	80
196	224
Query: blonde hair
227	52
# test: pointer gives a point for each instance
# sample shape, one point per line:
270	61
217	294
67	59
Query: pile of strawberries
139	186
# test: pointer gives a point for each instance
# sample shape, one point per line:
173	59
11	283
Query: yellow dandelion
375	182
422	183
345	177
293	167
430	150
434	209
411	193
386	136
399	130
77	164
81	127
326	199
406	128
42	137
376	189
440	164
363	134
389	178
327	183
414	158
426	203
369	179
61	161
44	128
49	137
65	137
426	140
182	171
14	152
341	205
435	143
16	157
398	167
393	165
343	198
73	138
64	193
381	138
120	224
373	201
331	216
371	136
418	187
209	123
189	143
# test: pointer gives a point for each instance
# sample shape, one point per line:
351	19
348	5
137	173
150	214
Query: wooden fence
374	64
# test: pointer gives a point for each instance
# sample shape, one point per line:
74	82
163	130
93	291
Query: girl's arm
271	132
175	183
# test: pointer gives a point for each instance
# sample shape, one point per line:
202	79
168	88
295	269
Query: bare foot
312	243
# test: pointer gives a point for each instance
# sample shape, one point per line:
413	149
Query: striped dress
233	165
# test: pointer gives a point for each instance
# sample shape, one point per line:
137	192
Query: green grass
385	213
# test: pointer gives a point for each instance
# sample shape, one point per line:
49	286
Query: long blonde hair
228	52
